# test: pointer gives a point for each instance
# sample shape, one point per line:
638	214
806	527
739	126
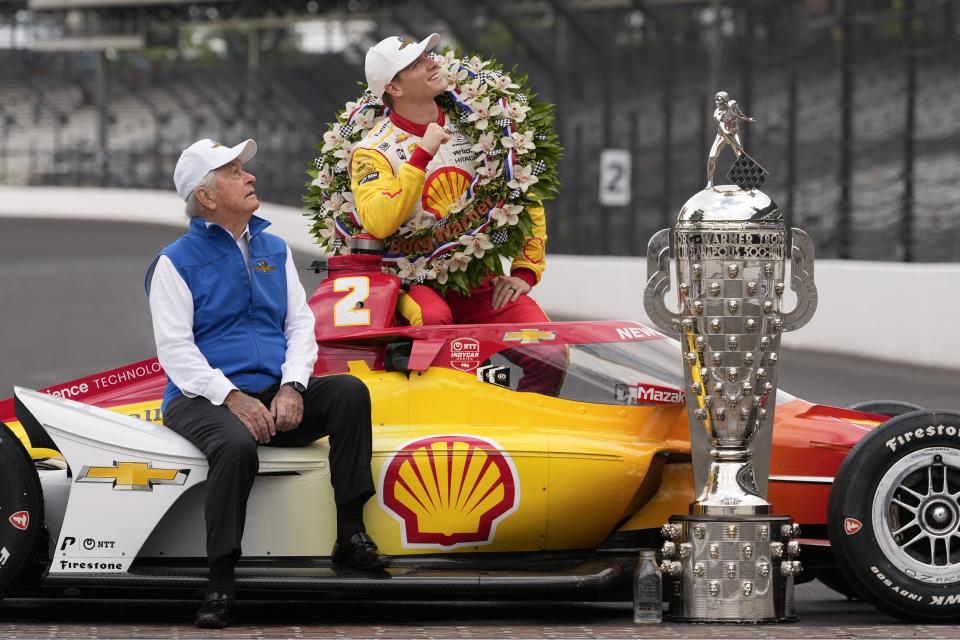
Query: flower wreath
515	168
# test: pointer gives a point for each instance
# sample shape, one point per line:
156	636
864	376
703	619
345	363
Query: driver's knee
421	305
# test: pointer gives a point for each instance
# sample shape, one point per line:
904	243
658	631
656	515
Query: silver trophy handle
658	283
801	281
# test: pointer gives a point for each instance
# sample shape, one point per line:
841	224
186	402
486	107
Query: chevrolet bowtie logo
529	336
133	476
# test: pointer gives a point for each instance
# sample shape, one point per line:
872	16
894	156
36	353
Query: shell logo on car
449	491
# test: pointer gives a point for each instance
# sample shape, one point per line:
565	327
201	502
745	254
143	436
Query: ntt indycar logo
657	395
923	432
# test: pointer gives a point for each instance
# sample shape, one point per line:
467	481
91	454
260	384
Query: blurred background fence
857	102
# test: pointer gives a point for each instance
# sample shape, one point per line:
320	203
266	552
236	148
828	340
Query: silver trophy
730	559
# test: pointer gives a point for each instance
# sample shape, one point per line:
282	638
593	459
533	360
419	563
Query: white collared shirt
171	306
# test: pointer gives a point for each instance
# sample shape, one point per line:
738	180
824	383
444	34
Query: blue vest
238	318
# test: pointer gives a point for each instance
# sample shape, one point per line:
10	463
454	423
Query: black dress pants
338	406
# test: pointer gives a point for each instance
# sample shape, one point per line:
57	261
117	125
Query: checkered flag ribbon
337	243
499	236
318	162
442	222
420	279
464	117
502	122
747	173
539	167
521	97
515	194
346	130
483	76
540	136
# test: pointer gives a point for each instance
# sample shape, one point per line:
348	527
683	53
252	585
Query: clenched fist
434	138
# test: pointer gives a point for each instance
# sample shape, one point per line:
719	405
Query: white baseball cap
392	55
202	157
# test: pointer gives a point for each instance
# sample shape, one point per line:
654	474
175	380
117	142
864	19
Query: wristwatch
299	388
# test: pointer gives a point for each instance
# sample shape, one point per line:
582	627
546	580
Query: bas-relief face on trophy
721	99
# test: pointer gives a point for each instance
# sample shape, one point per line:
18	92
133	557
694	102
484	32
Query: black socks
350	520
221	575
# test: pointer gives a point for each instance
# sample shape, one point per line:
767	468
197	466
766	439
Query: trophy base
736	569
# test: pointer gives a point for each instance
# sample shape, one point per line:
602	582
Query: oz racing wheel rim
916	515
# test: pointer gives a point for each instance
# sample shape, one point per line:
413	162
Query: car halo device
730	559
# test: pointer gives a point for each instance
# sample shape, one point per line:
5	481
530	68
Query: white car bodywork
137	489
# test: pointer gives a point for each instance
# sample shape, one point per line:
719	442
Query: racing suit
395	182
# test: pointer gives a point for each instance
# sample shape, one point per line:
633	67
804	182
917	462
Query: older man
235	337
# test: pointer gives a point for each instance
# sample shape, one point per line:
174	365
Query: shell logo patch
449	491
443	188
533	250
851	526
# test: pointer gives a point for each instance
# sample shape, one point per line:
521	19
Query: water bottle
647	590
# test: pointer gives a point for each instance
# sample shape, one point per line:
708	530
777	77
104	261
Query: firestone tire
21	509
889	408
894	516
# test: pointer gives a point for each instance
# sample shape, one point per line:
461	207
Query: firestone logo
655	394
449	491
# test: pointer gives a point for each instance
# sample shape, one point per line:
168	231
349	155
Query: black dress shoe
214	613
360	553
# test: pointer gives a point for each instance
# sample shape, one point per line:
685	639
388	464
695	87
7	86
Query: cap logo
215	145
449	491
404	42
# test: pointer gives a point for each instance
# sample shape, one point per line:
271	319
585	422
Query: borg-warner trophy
730	559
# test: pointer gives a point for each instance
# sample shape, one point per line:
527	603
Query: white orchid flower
474	89
513	210
446	59
519	142
455	74
333	203
329	232
324	178
516	111
476	245
458	262
348	205
503	216
502	83
332	139
412	270
482	111
523	178
364	120
476	64
440	271
486	143
488	171
459	204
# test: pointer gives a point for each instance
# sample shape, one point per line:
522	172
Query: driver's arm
531	262
384	199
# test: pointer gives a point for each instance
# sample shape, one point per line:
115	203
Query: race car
510	461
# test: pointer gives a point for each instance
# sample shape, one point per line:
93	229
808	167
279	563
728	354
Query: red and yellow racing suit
394	181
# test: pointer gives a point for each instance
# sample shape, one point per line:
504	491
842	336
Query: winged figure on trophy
746	172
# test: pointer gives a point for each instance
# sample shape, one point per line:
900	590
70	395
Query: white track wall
891	311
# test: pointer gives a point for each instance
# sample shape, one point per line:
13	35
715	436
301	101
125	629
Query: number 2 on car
349	311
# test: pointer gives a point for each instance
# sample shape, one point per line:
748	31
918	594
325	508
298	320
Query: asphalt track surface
72	303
